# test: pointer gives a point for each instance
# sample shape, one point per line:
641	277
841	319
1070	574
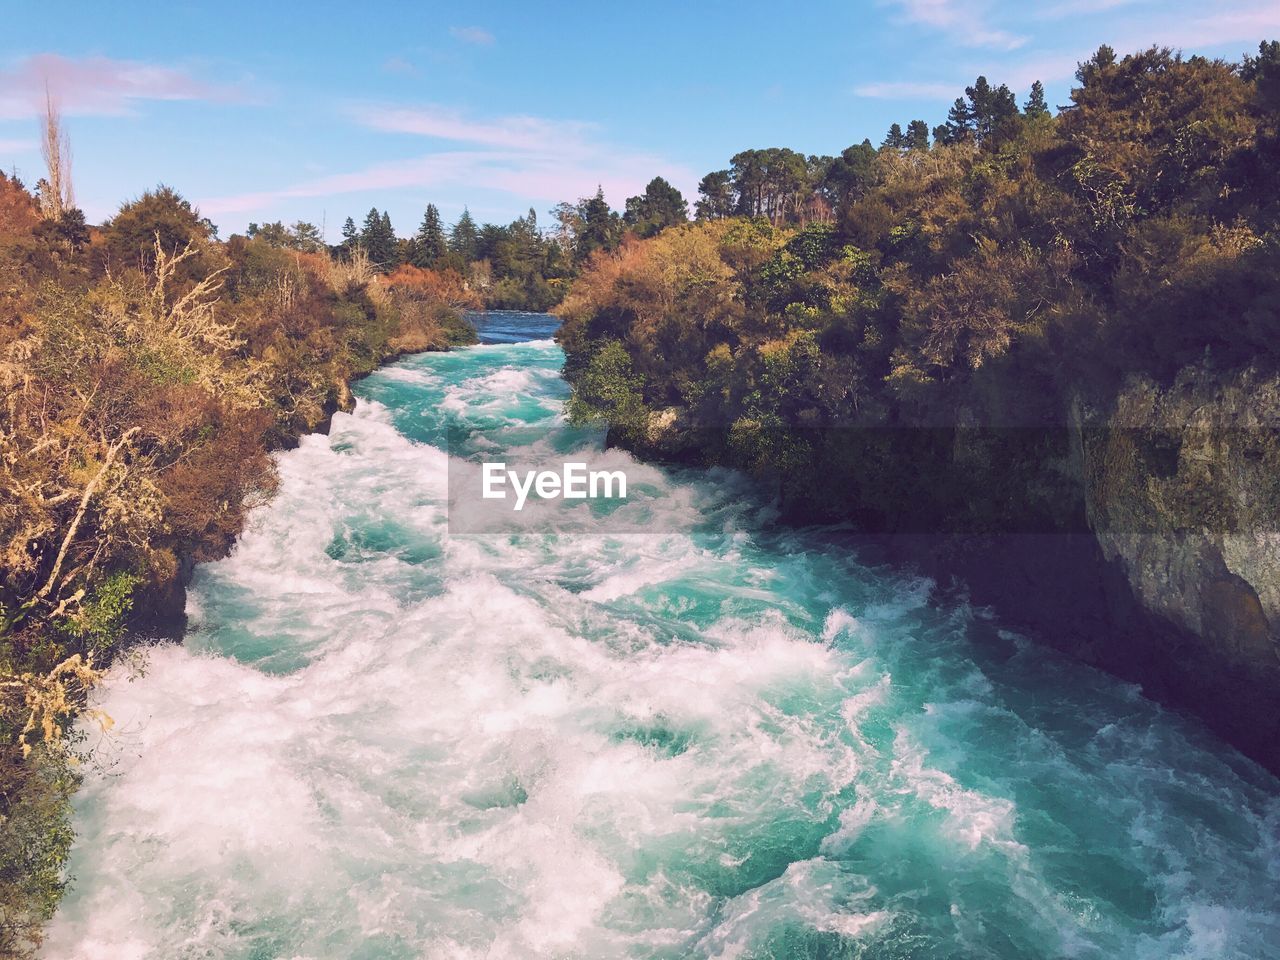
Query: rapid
720	738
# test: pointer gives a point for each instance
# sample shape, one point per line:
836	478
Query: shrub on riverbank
148	370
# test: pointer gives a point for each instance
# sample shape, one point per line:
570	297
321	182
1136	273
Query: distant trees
464	236
378	240
1024	258
660	206
715	196
599	228
983	111
302	235
430	245
850	174
1265	66
917	135
1036	105
775	183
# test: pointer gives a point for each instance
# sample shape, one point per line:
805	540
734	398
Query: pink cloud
98	86
517	132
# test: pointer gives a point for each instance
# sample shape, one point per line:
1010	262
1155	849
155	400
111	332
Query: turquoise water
717	740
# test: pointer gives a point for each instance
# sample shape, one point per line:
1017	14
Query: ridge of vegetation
1019	260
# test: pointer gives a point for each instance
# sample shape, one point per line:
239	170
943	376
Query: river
718	739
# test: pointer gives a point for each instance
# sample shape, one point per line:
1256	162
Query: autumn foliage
148	370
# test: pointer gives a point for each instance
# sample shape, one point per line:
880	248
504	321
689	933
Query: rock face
1183	496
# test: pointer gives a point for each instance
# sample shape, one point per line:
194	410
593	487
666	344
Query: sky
317	111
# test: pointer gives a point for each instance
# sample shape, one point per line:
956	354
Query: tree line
1010	262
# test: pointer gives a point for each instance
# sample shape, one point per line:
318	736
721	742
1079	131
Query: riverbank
142	408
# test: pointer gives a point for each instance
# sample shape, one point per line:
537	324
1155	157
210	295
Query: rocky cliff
1182	492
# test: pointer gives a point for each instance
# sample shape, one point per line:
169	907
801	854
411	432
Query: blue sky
317	111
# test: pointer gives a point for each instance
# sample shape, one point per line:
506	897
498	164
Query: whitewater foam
718	740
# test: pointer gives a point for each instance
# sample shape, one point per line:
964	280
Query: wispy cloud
8	147
535	158
907	90
476	35
399	66
1076	8
99	86
1243	23
965	21
441	123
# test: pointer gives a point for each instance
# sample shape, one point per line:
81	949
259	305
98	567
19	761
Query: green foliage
464	237
159	216
35	842
1019	262
100	622
430	246
609	390
378	240
660	206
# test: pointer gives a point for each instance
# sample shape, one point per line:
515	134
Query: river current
718	739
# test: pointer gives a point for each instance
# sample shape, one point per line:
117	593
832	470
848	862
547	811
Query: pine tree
430	244
464	236
959	125
1036	105
370	231
350	237
1104	58
378	239
917	135
895	139
716	199
391	245
600	230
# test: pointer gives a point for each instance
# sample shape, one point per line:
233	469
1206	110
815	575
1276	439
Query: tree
1265	65
716	199
56	194
660	206
959	125
72	229
1036	105
851	174
981	112
430	242
1104	58
350	237
989	108
895	139
392	244
464	236
601	228
130	237
306	237
917	135
378	240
